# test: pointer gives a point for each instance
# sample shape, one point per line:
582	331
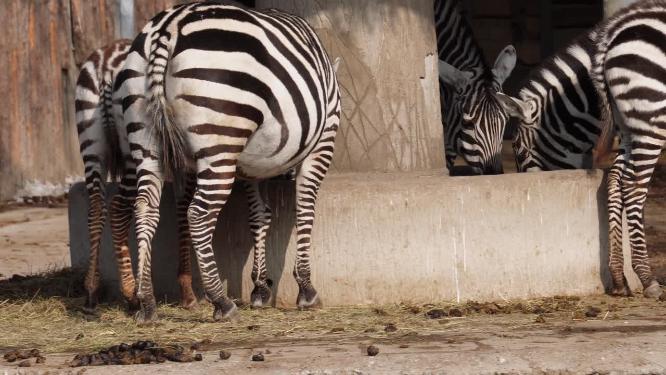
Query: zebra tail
604	146
169	137
115	164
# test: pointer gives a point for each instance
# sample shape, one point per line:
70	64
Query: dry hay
44	313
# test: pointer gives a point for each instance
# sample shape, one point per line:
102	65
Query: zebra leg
187	298
450	163
260	220
644	157
308	181
121	217
96	218
147	212
210	196
615	208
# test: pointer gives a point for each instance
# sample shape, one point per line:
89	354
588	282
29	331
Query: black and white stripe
611	80
232	93
102	144
473	117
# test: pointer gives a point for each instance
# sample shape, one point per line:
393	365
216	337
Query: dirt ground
33	240
547	336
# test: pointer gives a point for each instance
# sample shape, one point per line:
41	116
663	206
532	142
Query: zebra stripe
102	147
473	116
247	95
610	79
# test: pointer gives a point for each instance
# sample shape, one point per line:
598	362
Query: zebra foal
474	120
221	92
102	142
611	80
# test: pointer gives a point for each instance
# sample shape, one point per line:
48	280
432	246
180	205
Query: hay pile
45	313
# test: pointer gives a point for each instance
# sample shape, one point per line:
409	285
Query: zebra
474	121
610	81
100	144
220	92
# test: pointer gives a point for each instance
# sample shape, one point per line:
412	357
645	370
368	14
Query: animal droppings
25	363
436	314
198	357
456	312
372	350
225	354
140	352
259	357
592	312
15	355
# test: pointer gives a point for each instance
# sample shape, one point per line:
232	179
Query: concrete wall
420	237
390	93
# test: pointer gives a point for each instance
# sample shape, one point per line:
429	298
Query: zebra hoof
653	291
308	299
148	311
189	304
133	305
225	311
187	298
90	306
261	296
621	292
145	316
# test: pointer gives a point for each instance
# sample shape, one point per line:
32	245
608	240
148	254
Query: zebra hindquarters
94	150
146	184
642	120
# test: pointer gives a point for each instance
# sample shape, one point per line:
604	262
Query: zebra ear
336	64
452	76
514	107
504	64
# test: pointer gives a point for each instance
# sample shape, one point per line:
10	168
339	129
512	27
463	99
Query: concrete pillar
390	96
612	6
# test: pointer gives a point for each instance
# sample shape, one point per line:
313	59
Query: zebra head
525	142
477	112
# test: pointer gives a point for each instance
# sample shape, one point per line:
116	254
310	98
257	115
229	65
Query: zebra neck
455	40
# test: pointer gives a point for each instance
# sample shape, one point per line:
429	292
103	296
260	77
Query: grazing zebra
611	79
473	117
222	92
101	147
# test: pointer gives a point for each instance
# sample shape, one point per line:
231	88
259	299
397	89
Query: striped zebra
474	121
610	81
222	92
101	145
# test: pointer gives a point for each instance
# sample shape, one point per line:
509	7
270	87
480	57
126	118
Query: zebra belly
266	154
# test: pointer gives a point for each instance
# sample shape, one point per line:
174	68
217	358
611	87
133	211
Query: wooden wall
42	43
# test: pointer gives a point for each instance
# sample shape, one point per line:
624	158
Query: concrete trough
404	237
